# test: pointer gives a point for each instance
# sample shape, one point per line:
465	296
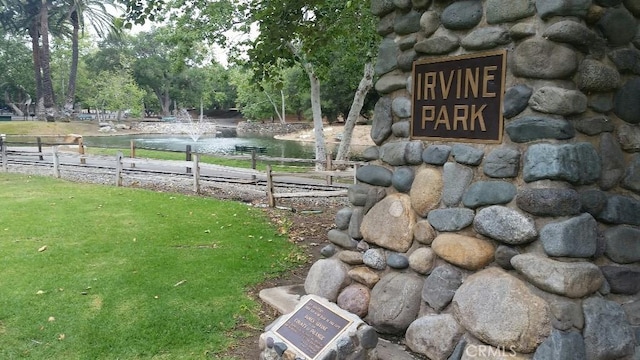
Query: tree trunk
34	32
12	105
318	127
45	59
73	71
358	101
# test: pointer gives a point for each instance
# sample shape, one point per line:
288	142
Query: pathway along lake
205	144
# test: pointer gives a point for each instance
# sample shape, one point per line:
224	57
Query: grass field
98	272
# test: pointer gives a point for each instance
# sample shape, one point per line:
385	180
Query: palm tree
98	15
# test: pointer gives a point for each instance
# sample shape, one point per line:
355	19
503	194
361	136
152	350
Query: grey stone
390	313
358	194
570	279
532	128
632	309
555	100
343	216
371	153
407	23
502	163
355	224
459	350
626	60
456	178
549	201
484	193
280	348
613	168
631	178
608	3
633	6
368	337
567	314
403	178
549	8
618	26
413	152
341	239
401	129
501	11
622	244
607	333
374	175
328	251
499	309
420	4
543	59
503	256
438	45
403	4
467	155
629	137
450	219
345	346
505	224
386	84
436	154
382	7
622	279
389	223
381	128
601	102
401	107
486	38
516	99
594	76
461	15
385	25
393	153
375	259
522	30
570	32
397	261
575	237
430	22
621	209
387	59
594	125
422	260
440	286
407	42
434	335
326	278
593	201
626	103
577	163
406	59
561	345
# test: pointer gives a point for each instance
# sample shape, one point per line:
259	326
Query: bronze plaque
459	98
312	328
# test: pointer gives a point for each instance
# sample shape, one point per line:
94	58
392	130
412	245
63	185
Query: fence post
271	199
83	160
188	158
119	168
39	142
196	173
329	167
56	162
3	148
253	159
133	152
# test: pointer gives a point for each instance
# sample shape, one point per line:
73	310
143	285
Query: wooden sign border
503	53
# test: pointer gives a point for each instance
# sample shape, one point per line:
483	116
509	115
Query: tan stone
422	260
350	257
389	223
426	190
465	251
364	275
423	232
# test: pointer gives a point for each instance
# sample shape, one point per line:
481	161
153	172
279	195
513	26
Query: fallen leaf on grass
51	319
42	248
61	337
180	282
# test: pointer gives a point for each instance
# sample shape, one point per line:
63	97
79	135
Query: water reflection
206	145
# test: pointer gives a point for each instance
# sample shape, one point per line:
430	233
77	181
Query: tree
16	83
117	91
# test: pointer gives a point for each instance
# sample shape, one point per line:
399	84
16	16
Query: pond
205	145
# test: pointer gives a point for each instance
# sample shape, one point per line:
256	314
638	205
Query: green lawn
99	272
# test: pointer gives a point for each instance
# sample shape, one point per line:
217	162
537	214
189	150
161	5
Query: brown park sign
459	98
312	327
